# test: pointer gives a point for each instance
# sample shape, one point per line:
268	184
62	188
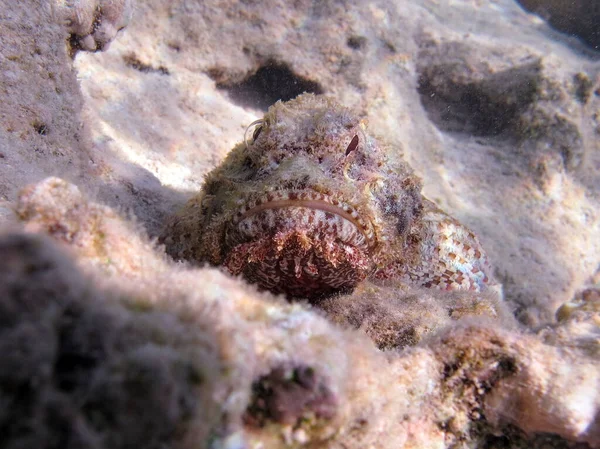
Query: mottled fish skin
311	205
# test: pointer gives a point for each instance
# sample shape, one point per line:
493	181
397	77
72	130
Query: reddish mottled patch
288	395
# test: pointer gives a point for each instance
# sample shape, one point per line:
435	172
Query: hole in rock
132	61
485	106
574	18
271	82
40	128
357	42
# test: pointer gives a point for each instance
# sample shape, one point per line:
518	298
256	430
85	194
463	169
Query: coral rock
93	24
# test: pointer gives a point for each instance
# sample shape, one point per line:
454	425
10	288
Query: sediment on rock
107	343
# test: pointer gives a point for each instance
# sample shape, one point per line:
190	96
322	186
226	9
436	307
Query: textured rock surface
41	128
577	18
134	350
397	316
92	24
195	74
503	131
502	124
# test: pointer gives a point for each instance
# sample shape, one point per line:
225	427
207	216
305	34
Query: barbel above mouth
308	200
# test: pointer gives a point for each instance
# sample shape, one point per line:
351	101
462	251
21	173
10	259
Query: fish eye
352	146
257	132
259	124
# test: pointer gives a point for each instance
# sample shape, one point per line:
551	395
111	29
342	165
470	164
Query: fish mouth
300	243
325	208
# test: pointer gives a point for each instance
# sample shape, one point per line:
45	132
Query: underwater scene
300	224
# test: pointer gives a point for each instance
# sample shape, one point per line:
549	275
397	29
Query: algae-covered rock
157	353
107	342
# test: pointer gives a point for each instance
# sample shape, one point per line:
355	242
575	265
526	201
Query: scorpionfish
309	205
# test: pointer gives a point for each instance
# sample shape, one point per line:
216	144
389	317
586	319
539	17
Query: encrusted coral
395	316
108	343
93	24
578	323
150	353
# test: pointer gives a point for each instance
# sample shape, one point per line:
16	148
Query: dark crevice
578	18
486	107
272	81
357	42
583	87
132	61
511	437
40	128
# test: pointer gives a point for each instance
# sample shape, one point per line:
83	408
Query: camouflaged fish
309	205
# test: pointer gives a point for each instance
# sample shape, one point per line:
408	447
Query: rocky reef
108	342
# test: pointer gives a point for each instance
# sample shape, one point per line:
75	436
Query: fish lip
280	199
